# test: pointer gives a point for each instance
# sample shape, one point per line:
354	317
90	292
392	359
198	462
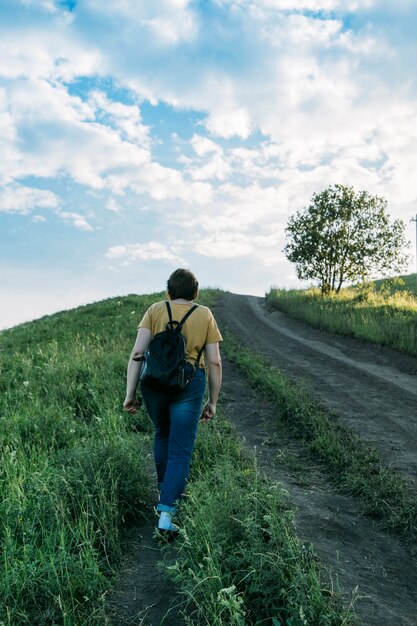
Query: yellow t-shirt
199	329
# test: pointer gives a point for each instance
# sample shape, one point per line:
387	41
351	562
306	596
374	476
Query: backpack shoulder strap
179	327
170	323
200	352
186	316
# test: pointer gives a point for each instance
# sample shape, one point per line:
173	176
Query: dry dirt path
355	551
143	595
370	389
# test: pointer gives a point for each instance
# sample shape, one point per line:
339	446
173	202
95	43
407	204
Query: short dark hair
182	284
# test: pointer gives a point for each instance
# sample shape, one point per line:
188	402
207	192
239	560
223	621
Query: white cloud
209	164
126	118
77	220
252	205
170	22
100	143
113	205
53	53
225	246
171	31
306	82
263	250
203	145
58	133
162	183
46	5
16	198
287	104
149	251
303	5
229	120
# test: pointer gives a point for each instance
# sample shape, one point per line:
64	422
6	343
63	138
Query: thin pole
414	219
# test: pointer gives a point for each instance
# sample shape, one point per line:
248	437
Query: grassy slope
406	283
73	467
386	315
76	469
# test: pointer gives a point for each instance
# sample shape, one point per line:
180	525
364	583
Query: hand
209	411
130	405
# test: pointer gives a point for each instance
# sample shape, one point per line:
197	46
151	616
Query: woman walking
176	414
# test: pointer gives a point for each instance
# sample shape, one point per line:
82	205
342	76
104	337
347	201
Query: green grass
74	466
384	313
76	470
400	283
355	465
240	561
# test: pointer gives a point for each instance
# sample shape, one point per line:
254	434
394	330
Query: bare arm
134	368
214	364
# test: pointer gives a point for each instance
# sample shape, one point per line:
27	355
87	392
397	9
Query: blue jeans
176	418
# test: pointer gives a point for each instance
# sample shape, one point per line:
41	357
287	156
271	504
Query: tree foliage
345	235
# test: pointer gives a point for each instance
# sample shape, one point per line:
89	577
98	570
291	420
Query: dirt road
371	390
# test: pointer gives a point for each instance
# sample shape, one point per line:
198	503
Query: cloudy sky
138	136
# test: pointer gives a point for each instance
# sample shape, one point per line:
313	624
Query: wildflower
303	617
26	383
72	430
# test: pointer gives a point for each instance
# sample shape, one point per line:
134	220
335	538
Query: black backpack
165	367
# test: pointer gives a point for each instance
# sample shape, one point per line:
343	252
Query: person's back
176	414
199	329
166	367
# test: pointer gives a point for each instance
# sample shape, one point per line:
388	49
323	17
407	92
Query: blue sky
139	136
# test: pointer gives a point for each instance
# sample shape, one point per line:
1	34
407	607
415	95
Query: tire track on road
370	389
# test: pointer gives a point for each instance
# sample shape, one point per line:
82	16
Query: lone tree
344	236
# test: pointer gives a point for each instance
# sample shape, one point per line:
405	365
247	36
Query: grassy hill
384	312
406	283
73	468
76	470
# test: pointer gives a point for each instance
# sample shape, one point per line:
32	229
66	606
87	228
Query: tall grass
240	561
74	468
385	313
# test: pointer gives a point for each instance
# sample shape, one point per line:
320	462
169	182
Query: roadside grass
74	467
297	465
384	312
355	465
240	561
